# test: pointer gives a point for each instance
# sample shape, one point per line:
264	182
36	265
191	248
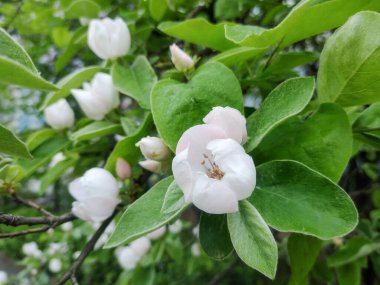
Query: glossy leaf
294	198
238	55
214	236
11	145
174	199
157	9
253	240
288	99
311	141
96	129
178	106
143	216
136	80
83	8
349	63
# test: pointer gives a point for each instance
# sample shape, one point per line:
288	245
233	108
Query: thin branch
50	223
85	252
31	204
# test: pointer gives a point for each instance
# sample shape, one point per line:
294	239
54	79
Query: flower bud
95	194
176	227
97	98
3	277
55	265
151	165
109	39
141	246
156	234
31	249
66	227
153	148
123	169
59	115
181	60
127	258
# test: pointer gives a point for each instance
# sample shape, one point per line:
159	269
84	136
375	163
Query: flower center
213	170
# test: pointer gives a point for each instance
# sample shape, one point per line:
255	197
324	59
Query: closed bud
98	97
109	39
55	265
153	148
181	60
96	195
123	169
59	115
151	165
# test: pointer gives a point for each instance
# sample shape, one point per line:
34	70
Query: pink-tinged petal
183	174
214	196
230	120
196	139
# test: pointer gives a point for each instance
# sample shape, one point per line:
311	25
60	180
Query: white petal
213	196
230	120
183	174
141	246
156	234
95	209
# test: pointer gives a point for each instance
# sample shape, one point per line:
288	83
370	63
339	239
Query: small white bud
59	115
55	265
151	165
181	60
153	148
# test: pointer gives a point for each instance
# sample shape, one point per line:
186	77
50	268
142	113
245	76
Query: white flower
176	227
55	265
151	165
105	235
123	169
95	194
31	249
58	157
230	120
109	39
3	277
127	258
156	234
97	98
181	60
59	115
212	168
66	227
195	249
140	246
153	148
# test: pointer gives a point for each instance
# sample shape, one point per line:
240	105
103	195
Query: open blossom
181	60
211	167
153	148
98	97
109	39
96	195
59	115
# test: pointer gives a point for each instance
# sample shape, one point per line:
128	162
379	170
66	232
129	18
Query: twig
50	223
195	11
31	204
74	280
219	277
85	252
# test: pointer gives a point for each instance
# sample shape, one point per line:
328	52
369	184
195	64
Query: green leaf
308	18
11	145
214	236
144	215
136	80
39	137
126	148
157	9
227	9
253	240
73	80
56	172
238	55
349	274
178	106
174	199
303	252
354	249
311	141
42	155
287	99
12	50
198	31
369	121
349	64
12	72
82	8
96	129
294	198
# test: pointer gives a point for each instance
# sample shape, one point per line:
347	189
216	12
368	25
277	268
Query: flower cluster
211	167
